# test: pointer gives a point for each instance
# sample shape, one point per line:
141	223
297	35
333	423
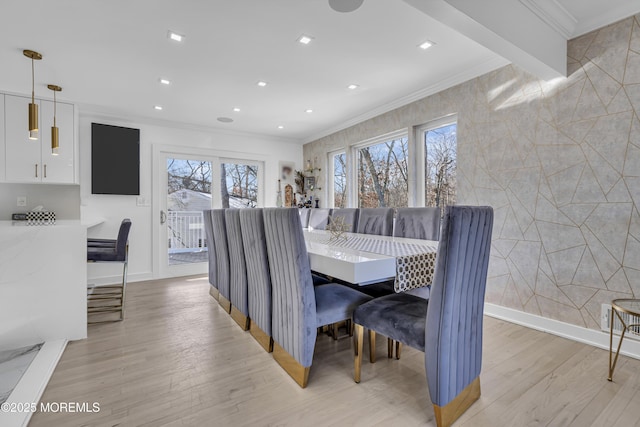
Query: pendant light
33	107
55	141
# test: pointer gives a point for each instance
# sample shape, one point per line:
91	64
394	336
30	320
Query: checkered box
41	217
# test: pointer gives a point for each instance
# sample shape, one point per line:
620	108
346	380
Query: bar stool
109	298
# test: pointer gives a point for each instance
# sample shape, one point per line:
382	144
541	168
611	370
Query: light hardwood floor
179	360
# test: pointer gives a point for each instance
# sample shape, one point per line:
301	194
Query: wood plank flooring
179	360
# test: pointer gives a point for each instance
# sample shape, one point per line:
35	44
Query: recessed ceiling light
304	39
158	107
172	35
236	109
261	83
308	110
425	45
280	127
165	81
352	86
225	119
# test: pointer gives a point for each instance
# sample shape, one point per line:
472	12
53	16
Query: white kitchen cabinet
29	160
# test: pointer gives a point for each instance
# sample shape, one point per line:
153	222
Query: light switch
22	201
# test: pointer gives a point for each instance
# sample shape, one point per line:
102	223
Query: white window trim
330	194
352	161
420	153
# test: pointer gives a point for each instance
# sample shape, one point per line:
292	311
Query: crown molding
613	14
470	73
554	15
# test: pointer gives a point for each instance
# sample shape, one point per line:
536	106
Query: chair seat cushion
103	254
101	243
401	317
335	303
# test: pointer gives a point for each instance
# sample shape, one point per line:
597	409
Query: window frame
331	176
352	162
420	152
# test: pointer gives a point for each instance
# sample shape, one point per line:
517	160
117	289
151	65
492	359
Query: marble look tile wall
560	163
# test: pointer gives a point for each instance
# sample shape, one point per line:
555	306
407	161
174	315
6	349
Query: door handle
36	170
163	217
45	170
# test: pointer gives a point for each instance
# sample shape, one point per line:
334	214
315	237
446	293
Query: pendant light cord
33	82
54	108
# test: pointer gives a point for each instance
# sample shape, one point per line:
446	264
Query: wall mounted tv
115	160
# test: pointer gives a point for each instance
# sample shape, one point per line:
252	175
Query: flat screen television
115	160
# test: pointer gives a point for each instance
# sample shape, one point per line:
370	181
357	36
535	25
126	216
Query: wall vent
607	315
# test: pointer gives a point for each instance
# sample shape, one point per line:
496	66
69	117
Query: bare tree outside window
383	174
189	174
239	185
340	180
440	166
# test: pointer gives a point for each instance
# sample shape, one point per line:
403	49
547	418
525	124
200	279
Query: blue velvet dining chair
211	253
417	223
258	276
238	292
219	228
349	217
375	221
319	218
448	326
298	307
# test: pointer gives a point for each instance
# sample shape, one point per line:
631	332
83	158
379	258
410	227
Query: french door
185	184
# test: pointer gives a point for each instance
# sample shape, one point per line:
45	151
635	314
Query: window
241	189
440	147
339	179
382	172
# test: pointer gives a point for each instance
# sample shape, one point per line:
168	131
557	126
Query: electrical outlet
141	201
22	201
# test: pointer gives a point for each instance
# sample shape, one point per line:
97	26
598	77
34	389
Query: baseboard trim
591	337
33	383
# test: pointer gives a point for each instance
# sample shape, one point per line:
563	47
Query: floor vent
606	316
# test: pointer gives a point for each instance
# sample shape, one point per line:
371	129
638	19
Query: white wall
113	208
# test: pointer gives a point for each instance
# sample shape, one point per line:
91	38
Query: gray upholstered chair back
294	305
304	217
375	221
222	251
237	267
417	223
453	333
258	277
211	250
350	216
319	218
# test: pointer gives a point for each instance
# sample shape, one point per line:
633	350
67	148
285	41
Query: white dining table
361	258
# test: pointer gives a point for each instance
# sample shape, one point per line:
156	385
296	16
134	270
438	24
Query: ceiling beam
506	27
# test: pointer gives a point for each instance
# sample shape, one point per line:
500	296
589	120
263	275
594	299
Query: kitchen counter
43	276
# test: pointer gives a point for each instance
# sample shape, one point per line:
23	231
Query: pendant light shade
55	139
33	107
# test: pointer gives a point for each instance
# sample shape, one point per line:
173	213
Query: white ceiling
109	55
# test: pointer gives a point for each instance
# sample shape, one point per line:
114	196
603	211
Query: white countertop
58	224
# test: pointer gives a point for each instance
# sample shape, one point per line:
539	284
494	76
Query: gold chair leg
240	318
358	337
449	413
398	349
299	373
224	303
372	346
213	292
389	348
259	335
